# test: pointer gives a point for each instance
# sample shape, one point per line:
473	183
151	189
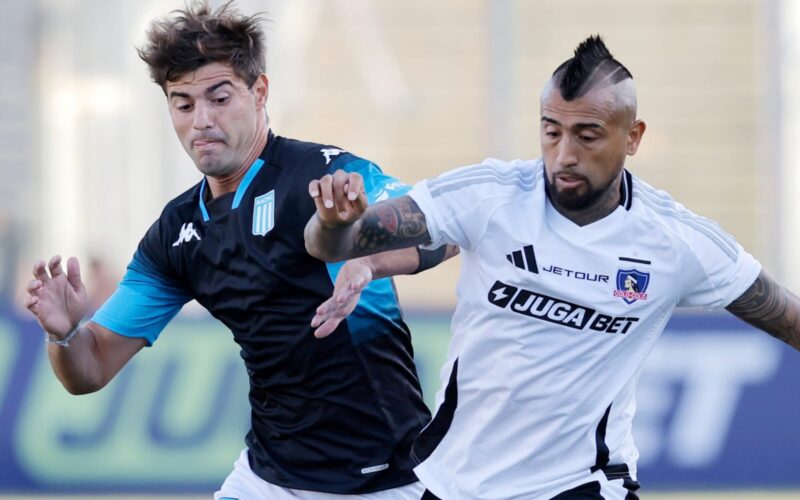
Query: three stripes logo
524	259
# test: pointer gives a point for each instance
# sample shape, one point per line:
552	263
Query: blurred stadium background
88	158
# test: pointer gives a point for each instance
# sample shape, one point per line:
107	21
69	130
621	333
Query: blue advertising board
717	408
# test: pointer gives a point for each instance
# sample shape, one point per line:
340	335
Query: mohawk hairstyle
196	36
591	66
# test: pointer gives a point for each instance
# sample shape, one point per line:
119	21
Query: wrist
63	342
333	225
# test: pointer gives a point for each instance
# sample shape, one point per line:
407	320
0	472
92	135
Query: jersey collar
252	171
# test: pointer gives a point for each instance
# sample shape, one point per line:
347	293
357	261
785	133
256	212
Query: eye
221	100
587	138
552	133
183	106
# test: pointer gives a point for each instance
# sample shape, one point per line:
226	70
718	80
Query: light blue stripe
377	184
202	197
248	178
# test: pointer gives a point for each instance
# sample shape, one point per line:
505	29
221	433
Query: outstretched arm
769	306
356	274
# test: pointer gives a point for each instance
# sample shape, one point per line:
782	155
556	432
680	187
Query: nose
202	119
567	155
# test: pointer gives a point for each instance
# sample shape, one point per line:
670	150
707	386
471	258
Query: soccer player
571	267
332	418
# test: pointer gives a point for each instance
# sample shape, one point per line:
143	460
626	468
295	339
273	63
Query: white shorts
243	484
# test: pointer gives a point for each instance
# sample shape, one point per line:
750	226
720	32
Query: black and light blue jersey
335	414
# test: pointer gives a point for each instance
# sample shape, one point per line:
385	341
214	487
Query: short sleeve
378	185
458	205
718	270
146	299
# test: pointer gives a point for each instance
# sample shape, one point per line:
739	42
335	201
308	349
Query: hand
353	277
340	198
57	300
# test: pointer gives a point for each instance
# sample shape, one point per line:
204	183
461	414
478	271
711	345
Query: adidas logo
524	259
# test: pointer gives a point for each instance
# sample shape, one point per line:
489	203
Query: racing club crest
631	285
264	213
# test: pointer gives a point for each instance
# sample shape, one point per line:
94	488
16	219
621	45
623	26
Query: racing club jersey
334	415
552	326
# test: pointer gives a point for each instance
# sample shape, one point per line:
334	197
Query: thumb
74	274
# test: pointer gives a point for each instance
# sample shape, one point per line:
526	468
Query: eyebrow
209	90
577	125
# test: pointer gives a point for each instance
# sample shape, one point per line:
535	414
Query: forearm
393	263
769	306
407	260
329	244
388	225
77	365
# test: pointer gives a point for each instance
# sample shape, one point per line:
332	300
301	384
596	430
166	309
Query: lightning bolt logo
501	294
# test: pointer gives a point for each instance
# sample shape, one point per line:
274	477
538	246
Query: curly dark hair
196	36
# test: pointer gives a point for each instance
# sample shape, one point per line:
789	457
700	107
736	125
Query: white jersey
553	324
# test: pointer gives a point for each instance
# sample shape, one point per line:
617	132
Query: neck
603	206
218	186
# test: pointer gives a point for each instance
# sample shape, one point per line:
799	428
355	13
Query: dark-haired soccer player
571	268
330	419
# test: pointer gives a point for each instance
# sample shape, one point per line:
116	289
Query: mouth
202	145
566	181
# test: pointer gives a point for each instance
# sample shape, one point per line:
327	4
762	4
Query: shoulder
491	177
659	210
313	156
178	214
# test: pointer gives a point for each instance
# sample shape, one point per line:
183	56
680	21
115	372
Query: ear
635	137
261	90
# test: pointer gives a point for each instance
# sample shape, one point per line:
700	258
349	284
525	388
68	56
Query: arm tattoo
771	307
391	224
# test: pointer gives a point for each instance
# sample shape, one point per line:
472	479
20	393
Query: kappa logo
329	152
632	285
264	213
187	233
554	310
528	262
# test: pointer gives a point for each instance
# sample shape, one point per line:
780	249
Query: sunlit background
89	158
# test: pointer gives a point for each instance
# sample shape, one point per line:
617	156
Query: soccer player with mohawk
571	268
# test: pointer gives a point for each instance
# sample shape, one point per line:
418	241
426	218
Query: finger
313	188
355	185
361	203
325	191
358	285
321	313
40	271
33	286
327	328
344	297
340	179
74	273
55	266
32	304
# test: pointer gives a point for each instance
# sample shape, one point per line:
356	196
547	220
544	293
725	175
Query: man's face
215	115
584	143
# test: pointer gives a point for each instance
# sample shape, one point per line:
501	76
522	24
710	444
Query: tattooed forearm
392	224
771	307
